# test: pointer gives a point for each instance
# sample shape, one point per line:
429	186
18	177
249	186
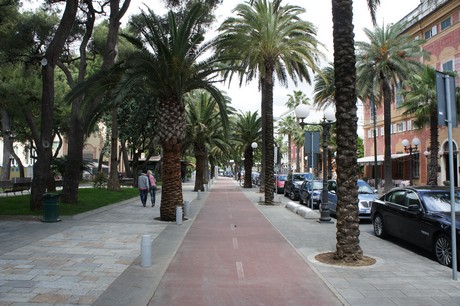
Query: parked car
365	196
279	182
421	216
255	178
293	182
310	193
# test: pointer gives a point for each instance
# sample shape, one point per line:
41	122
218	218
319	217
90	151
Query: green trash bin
50	207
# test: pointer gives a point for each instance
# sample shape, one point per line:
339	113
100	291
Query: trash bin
50	207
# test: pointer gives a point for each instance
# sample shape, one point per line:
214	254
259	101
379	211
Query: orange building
439	25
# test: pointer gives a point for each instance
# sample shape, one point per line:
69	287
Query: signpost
447	115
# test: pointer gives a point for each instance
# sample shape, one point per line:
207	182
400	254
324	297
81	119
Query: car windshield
281	177
302	176
365	188
440	201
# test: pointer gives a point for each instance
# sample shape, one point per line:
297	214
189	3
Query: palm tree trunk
387	129
434	148
248	167
347	247
267	130
200	156
171	191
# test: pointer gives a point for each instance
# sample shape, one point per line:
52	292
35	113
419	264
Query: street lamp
302	111
411	148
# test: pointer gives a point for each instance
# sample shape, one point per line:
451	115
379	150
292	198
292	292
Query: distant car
279	182
310	193
365	196
293	182
420	215
255	178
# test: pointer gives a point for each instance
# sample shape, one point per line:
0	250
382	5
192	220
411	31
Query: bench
127	181
16	185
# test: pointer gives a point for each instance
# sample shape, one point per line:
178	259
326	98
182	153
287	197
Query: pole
411	160
325	213
374	115
451	180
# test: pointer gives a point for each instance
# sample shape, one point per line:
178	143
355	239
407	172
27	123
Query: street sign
445	92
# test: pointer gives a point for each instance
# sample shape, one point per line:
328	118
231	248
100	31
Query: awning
369	160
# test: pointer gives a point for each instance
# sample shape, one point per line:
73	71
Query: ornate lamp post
302	111
411	148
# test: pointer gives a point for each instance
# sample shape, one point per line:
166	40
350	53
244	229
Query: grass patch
88	199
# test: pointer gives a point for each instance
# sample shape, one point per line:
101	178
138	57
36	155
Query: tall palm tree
347	246
420	100
204	130
248	130
270	40
172	62
383	63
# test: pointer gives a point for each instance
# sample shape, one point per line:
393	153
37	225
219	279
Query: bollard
146	251
187	209
179	215
205	187
198	195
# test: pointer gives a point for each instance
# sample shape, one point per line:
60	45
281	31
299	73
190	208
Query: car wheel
379	228
443	250
292	195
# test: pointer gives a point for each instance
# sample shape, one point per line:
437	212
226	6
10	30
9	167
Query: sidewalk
231	251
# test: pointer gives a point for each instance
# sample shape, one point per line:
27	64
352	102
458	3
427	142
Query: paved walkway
231	251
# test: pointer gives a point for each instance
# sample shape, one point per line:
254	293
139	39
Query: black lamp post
411	148
302	111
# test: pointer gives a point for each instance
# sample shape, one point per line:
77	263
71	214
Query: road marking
239	270
235	243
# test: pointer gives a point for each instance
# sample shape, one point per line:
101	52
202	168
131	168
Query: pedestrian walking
143	184
153	187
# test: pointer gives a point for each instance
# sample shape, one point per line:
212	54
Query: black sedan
419	215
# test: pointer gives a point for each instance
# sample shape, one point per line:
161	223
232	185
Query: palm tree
382	64
324	87
420	100
248	130
270	40
347	246
204	130
172	62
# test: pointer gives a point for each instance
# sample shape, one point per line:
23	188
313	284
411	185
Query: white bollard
198	195
146	251
179	215
205	187
187	209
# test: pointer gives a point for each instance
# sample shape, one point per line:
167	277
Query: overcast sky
319	13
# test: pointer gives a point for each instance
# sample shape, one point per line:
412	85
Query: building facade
439	24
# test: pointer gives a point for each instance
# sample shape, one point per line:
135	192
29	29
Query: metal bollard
198	195
146	251
179	215
187	209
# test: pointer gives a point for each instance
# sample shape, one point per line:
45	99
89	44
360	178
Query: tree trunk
113	182
434	148
171	122
267	130
200	156
347	247
387	130
128	170
7	146
248	167
74	157
45	143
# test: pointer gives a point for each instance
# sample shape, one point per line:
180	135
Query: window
448	66
409	125
398	97
369	133
431	32
382	131
401	127
446	23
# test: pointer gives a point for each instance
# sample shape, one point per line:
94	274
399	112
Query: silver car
365	196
